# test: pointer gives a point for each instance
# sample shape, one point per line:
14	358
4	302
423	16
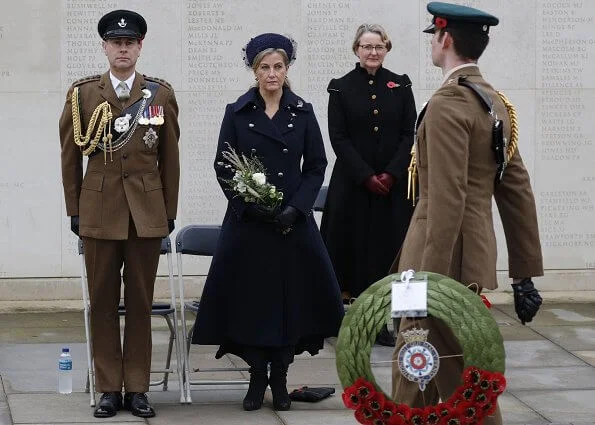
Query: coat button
125	155
125	175
285	150
375	111
375	129
371	82
280	174
253	150
290	125
373	97
250	125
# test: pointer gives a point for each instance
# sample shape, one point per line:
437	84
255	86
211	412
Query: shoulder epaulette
160	81
86	80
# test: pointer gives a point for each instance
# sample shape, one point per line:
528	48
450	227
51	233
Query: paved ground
550	373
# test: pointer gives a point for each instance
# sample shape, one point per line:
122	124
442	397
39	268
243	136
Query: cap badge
122	23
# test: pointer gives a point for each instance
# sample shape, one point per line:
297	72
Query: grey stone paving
550	374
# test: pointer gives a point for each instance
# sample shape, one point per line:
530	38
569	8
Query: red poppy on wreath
392	85
440	23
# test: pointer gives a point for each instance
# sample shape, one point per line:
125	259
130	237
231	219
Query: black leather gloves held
171	225
255	212
74	224
286	218
526	300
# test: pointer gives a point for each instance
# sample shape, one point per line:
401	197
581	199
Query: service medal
418	359
150	138
122	124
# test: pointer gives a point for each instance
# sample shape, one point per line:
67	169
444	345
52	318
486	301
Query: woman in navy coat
271	291
371	117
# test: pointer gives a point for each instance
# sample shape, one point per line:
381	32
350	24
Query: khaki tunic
139	181
452	229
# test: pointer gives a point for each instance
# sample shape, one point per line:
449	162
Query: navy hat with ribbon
268	41
448	15
122	24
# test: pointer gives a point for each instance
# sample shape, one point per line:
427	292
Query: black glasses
380	48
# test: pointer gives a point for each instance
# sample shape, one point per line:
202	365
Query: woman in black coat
371	118
271	291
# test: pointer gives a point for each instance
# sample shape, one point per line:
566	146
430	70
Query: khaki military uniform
452	230
124	202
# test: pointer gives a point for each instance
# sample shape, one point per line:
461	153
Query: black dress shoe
385	338
138	405
108	405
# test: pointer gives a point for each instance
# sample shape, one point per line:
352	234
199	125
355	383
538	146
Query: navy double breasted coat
265	288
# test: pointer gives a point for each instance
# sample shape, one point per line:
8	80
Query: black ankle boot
278	383
256	389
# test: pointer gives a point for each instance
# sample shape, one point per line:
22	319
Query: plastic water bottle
65	372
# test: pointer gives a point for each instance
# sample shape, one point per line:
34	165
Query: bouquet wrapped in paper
249	180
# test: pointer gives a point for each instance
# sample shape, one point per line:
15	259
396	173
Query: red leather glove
374	185
387	180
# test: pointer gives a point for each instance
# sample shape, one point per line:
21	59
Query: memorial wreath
465	314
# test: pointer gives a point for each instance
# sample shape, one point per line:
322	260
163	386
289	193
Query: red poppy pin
392	85
440	23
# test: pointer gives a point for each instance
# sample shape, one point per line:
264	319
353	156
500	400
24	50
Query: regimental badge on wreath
418	360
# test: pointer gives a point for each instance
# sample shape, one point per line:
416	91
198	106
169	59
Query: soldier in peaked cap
458	132
127	126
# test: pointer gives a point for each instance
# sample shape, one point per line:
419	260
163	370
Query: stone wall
542	55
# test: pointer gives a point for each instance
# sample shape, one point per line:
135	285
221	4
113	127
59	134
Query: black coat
264	288
371	128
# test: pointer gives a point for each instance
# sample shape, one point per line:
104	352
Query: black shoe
108	405
258	385
385	338
138	405
278	383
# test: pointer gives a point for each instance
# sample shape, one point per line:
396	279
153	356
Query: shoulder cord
510	149
103	112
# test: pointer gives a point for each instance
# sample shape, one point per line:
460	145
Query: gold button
371	82
375	129
373	96
375	111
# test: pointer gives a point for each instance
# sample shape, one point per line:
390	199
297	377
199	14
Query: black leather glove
526	300
255	212
171	225
74	224
286	218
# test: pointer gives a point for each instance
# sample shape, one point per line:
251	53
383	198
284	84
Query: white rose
259	178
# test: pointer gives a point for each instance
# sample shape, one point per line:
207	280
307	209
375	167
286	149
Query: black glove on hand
171	225
74	224
286	218
526	300
255	212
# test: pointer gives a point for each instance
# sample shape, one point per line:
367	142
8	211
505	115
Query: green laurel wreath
461	309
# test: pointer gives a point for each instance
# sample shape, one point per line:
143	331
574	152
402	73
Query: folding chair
168	311
320	199
198	240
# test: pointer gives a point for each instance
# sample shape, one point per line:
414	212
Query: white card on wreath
409	297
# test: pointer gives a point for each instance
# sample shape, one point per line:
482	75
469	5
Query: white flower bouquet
249	180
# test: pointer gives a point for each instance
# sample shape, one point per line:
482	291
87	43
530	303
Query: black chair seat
158	309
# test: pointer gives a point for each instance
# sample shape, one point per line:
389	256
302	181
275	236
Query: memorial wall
542	55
